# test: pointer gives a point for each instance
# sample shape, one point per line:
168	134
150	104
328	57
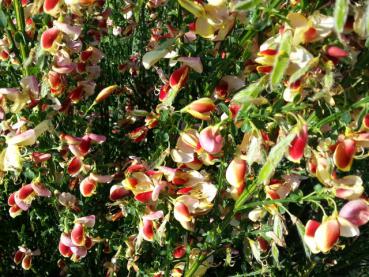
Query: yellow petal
204	28
193	7
297	20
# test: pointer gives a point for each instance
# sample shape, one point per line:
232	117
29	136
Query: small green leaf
275	254
255	250
275	156
301	231
19	38
302	71
3	19
223	107
246	5
340	14
137	9
252	91
282	60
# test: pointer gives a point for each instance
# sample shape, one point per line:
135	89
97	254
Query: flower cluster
195	134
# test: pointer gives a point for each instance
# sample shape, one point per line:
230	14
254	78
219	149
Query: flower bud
178	78
336	52
105	93
235	176
200	108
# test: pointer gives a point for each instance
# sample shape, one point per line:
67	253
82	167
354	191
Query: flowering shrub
184	138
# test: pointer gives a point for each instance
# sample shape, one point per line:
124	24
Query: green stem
19	13
195	266
239	203
245	196
277	201
21	26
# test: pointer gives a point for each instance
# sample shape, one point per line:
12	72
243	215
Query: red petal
336	52
50	4
264	69
179	252
84	146
11	200
117	192
344	154
25	191
179	77
148	229
89	243
78	235
184	190
182	209
74	166
27	262
144	197
55	79
164	92
19	255
15	211
311	227
64	250
132	181
135	168
48	38
297	147
87	187
268	52
221	90
310	34
76	94
85	55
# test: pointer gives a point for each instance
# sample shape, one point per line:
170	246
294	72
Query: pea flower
211	140
321	237
297	147
76	243
213	20
24	256
21	200
88	185
148	223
